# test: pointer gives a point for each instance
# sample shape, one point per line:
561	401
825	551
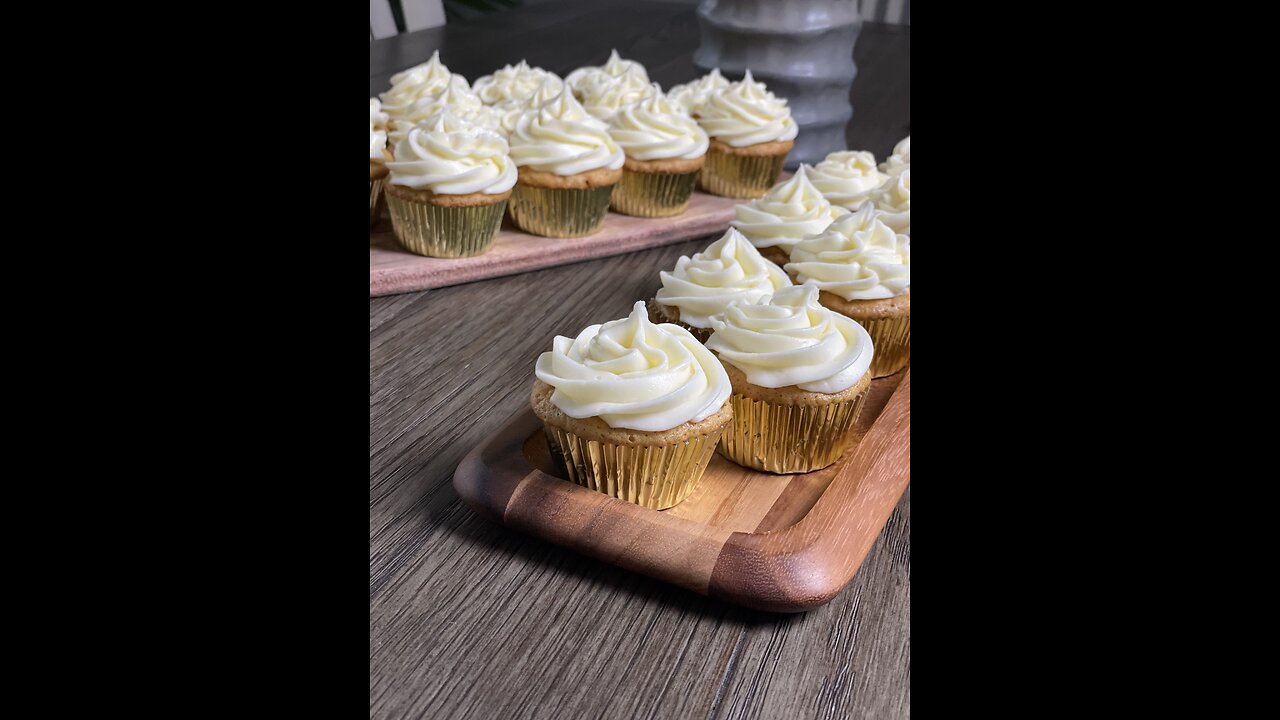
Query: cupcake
900	159
584	81
632	409
800	376
751	133
893	200
611	94
568	166
847	178
863	269
448	188
729	270
692	95
378	156
457	96
786	214
664	150
409	85
514	83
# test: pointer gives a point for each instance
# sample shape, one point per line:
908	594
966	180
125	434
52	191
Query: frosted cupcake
605	99
786	214
863	269
414	83
514	83
568	166
585	81
900	159
664	150
378	157
893	200
632	409
800	377
693	95
751	133
703	285
448	189
847	178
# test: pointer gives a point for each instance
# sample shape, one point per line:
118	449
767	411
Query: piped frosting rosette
787	213
858	257
605	98
584	81
746	113
561	138
728	270
657	129
416	82
515	83
692	95
847	178
453	161
893	200
900	159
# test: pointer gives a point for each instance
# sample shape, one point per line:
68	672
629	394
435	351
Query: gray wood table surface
468	619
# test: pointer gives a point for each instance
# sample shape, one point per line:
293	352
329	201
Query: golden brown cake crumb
896	306
426	196
596	429
673	166
792	395
582	181
777	147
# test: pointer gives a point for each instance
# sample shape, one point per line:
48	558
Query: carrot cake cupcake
730	269
751	133
379	154
664	150
568	166
863	269
692	95
786	214
448	189
632	409
847	178
800	376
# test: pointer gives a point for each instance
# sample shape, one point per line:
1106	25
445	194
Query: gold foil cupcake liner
788	438
559	212
375	200
442	231
891	338
653	194
744	176
653	477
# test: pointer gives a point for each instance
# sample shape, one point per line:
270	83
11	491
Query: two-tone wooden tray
785	543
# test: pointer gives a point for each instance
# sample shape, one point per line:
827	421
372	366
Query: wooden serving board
393	269
785	543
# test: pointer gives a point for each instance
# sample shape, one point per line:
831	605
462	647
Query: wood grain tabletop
468	619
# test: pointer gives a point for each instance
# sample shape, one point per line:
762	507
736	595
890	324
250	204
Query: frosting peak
416	82
847	178
858	257
515	83
791	339
692	95
746	113
453	163
900	159
893	200
657	129
788	212
561	138
634	374
729	269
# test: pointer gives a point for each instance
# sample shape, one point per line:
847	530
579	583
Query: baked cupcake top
791	339
634	374
746	113
692	95
418	81
453	163
584	80
657	129
858	257
607	97
846	178
561	138
729	269
900	159
787	213
514	83
893	200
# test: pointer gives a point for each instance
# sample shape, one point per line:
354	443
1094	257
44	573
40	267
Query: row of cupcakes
602	137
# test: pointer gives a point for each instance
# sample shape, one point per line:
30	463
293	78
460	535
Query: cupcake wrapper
653	477
740	175
788	438
555	212
445	232
653	194
891	338
375	200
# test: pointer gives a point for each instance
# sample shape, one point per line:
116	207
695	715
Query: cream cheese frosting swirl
657	129
791	339
511	110
453	163
729	269
514	83
745	113
606	98
787	213
847	178
458	98
893	200
416	82
584	81
634	374
692	95
377	118
561	138
858	257
377	130
900	159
